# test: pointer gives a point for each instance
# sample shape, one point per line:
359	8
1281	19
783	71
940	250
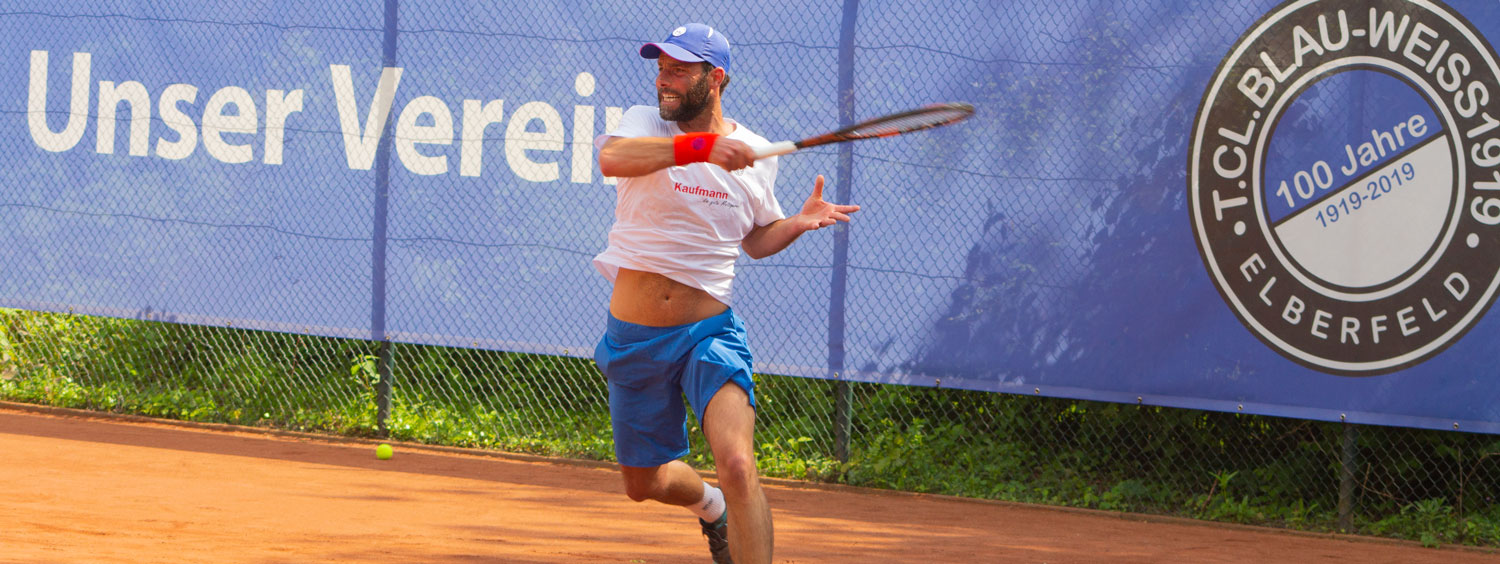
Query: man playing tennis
690	196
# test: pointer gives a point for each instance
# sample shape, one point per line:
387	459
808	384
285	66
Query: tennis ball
383	452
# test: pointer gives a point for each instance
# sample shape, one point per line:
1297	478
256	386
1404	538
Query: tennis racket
895	124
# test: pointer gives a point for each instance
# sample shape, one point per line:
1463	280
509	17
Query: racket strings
902	124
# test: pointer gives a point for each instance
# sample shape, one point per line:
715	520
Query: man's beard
691	105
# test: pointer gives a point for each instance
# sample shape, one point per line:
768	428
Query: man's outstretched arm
628	157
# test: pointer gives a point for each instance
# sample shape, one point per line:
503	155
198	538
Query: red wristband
693	147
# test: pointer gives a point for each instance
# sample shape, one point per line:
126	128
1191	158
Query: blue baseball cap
692	43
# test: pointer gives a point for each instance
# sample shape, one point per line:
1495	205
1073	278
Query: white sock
711	507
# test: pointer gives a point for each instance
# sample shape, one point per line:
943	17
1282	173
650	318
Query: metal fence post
842	411
1347	461
383	390
378	239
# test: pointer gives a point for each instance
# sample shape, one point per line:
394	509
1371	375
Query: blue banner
1286	208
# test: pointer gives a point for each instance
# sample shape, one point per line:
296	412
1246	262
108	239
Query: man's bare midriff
648	298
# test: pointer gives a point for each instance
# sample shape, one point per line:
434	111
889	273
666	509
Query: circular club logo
1345	181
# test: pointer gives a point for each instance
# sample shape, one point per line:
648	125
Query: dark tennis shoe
718	538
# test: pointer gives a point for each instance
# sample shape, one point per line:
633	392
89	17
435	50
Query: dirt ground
81	488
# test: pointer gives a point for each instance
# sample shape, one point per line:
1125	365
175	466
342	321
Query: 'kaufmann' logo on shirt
1345	181
699	191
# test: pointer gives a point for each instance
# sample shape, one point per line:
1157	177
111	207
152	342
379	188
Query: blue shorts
649	369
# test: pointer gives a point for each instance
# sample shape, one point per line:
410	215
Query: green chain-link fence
1067	182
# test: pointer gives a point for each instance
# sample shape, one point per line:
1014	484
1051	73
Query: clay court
90	488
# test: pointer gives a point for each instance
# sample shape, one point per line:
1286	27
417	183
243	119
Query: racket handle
775	149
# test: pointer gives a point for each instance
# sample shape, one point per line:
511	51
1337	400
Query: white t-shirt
686	222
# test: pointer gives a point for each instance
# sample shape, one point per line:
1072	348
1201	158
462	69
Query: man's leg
676	483
673	483
729	425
